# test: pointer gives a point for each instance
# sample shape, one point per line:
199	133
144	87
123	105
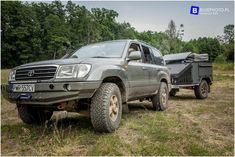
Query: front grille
36	73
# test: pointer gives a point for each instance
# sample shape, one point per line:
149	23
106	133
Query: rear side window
157	57
147	55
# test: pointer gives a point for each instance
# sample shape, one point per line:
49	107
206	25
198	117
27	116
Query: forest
34	31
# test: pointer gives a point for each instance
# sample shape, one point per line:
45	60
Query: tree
20	29
174	36
211	46
171	32
229	33
106	22
38	31
57	36
229	42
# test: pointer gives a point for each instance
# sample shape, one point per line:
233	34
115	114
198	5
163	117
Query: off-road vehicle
100	77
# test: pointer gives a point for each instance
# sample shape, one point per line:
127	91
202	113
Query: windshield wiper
74	56
99	57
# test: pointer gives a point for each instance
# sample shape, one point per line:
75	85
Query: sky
155	15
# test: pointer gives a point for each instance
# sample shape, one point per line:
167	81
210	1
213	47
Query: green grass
4	75
188	127
222	67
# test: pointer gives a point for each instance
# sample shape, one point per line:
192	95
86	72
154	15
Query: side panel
195	73
138	78
205	70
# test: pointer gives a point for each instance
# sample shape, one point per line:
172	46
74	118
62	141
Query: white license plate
23	88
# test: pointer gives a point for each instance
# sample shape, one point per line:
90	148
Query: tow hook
24	96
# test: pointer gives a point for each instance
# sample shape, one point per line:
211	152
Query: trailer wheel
173	92
201	91
160	100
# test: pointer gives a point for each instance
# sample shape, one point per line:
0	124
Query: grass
223	67
188	127
4	75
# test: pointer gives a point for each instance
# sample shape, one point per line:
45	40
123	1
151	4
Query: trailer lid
176	56
189	56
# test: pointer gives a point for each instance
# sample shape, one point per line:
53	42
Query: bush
220	59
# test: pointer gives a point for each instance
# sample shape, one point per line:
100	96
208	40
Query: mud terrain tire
106	108
31	115
160	100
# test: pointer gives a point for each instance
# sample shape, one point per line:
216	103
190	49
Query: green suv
100	78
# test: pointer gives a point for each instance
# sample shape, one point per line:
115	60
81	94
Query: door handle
144	68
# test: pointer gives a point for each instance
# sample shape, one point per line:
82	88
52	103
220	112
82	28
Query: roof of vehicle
131	40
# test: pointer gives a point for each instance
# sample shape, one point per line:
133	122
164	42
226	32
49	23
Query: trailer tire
201	91
160	100
106	108
31	115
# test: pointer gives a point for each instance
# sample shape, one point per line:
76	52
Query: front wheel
32	115
106	108
160	100
201	91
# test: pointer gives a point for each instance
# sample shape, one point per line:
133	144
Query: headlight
73	71
12	75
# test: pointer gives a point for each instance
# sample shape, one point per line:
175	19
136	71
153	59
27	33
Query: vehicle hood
92	61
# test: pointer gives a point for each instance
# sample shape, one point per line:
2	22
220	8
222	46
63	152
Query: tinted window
147	55
157	57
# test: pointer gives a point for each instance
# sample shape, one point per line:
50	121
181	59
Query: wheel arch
208	80
164	80
118	81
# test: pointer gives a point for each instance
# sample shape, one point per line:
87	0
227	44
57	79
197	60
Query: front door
138	74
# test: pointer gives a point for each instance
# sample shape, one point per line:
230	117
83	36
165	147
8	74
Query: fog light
67	87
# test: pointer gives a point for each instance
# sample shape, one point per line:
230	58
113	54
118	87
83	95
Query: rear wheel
32	115
160	100
201	91
106	108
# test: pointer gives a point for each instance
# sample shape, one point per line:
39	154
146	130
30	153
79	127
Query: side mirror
135	55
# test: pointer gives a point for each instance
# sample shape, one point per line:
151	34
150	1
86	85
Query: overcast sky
155	15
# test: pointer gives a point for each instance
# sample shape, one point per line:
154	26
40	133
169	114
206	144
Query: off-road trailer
191	71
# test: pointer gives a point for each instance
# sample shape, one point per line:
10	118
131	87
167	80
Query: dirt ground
188	127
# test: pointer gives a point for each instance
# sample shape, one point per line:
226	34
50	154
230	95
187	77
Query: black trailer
191	71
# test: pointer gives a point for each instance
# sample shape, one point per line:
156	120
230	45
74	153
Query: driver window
134	47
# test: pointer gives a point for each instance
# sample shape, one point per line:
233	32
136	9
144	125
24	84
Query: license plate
23	88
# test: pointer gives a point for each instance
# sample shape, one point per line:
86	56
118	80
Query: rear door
150	66
158	63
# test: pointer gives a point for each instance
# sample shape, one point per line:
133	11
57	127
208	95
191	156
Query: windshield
101	50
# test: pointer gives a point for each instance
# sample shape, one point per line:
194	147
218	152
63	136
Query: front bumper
45	95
